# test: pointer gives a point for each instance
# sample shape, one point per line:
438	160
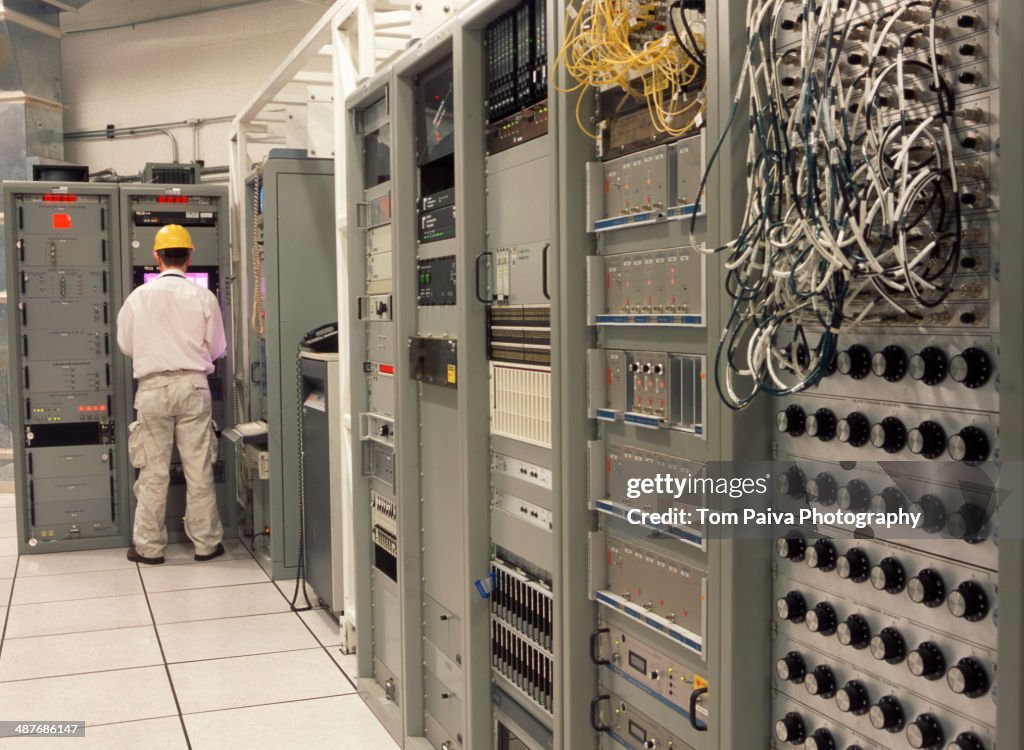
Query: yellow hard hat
173	236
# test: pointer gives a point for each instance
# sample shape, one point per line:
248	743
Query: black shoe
135	557
217	552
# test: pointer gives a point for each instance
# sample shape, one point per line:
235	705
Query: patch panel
660	287
519	334
657	184
653	390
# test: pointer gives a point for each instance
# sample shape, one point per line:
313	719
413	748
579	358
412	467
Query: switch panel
436	281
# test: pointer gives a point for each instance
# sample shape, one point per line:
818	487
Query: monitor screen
435	119
202	278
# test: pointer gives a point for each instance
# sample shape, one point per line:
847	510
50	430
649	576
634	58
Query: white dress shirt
171	324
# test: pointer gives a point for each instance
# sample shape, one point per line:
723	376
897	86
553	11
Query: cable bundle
853	210
607	45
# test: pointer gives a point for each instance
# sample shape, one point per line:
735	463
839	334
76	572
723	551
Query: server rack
740	631
290	204
69	443
202	210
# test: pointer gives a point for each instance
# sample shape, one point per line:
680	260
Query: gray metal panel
386	631
443	562
521	538
69	461
1011	359
473	392
517	185
575	673
443	629
411	510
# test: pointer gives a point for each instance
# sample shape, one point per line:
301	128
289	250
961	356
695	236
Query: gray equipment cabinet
63	295
322	478
293	235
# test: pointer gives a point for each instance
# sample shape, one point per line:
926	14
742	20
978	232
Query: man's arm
216	343
125	327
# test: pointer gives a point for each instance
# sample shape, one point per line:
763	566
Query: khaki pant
174	408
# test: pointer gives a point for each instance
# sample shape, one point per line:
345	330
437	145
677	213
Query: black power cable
696	56
300	570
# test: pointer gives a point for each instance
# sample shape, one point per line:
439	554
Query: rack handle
694	697
595	647
595	710
544	270
476	284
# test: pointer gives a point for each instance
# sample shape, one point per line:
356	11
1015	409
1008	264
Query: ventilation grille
521	404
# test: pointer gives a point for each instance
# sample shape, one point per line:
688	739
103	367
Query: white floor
181	655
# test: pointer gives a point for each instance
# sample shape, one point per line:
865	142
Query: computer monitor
202	278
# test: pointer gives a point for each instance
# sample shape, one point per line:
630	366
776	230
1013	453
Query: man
173	331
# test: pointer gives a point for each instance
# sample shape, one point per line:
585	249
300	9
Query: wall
206	65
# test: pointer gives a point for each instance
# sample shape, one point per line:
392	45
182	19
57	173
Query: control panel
889	403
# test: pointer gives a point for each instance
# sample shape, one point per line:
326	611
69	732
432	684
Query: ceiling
104	14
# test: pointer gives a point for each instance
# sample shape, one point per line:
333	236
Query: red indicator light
61	221
59	198
103	407
387	369
81	408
